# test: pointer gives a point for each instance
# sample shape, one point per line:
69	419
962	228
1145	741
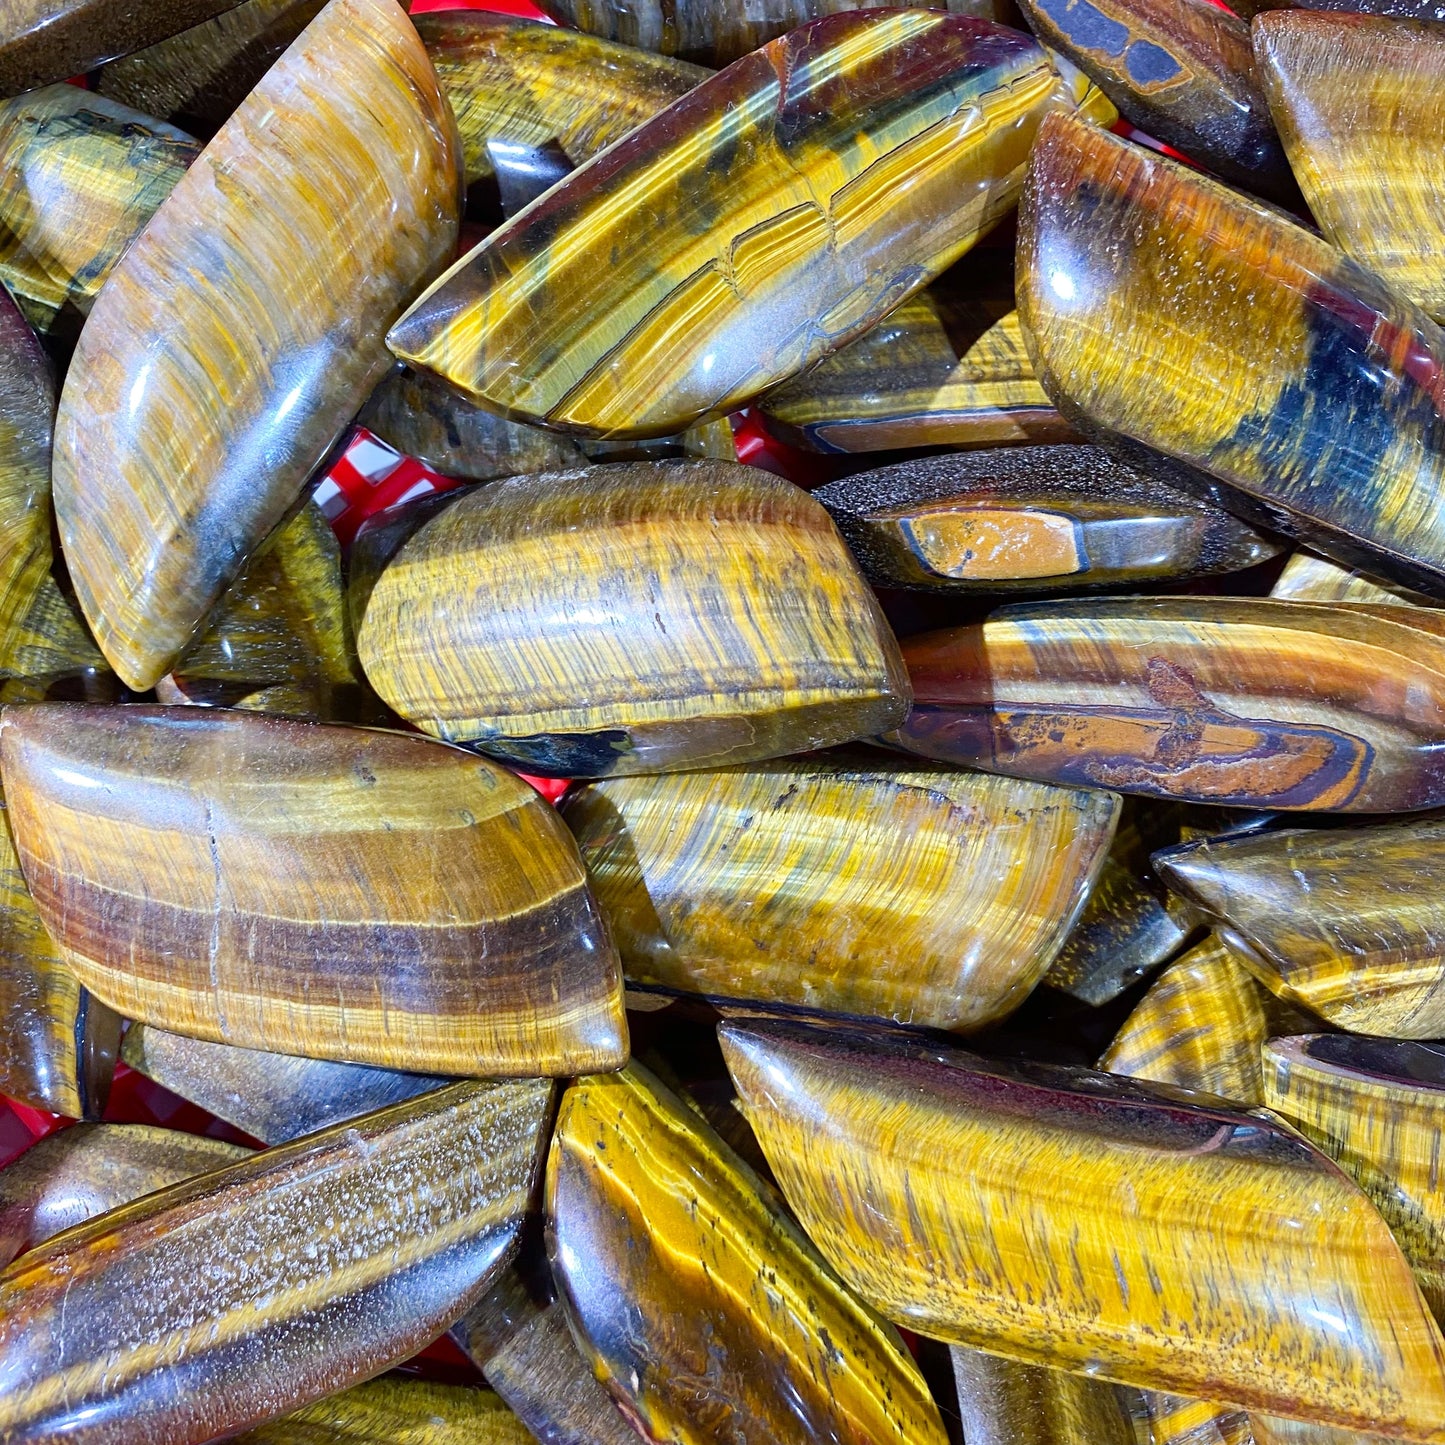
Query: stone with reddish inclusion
1234	701
766	218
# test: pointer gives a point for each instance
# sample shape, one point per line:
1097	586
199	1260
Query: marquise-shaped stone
710	614
1163	308
275	281
1360	105
1348	922
358	895
1236	701
662	1239
234	1297
948	368
1031	518
1183	71
923	895
1377	1107
770	216
271	1097
1078	1219
75	1174
80	176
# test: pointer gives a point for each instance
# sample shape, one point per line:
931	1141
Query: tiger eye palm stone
1235	701
709	614
1376	1106
1183	71
80	175
1077	1219
923	895
948	367
234	1297
320	208
1030	518
698	1302
351	894
1308	578
75	1174
1200	1026
762	221
1165	309
1360	105
1348	922
1005	1402
272	1097
534	85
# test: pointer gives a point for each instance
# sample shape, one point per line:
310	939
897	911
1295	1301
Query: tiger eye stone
1360	105
1164	309
948	367
1377	1107
279	640
1178	1420
1349	922
80	176
535	85
351	894
1006	1402
1308	578
709	614
175	458
1234	701
957	888
676	1267
1061	1217
271	1097
1183	71
1028	518
768	217
73	1175
199	76
47	40
247	1292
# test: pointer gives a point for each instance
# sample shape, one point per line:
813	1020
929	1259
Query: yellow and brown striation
80	176
698	1302
1163	307
174	462
73	1175
1308	578
768	217
1077	1219
710	614
1006	1402
358	895
923	895
224	1301
1234	701
1360	105
1348	923
1377	1107
1177	1420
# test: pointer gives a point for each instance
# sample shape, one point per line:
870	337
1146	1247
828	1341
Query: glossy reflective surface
770	216
1308	578
1379	1109
165	480
1075	1219
916	894
1238	701
1004	1402
1348	922
272	1097
1172	311
1183	71
948	367
69	1177
1178	1420
1031	518
234	1297
1360	105
710	614
536	85
661	1237
366	896
79	177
